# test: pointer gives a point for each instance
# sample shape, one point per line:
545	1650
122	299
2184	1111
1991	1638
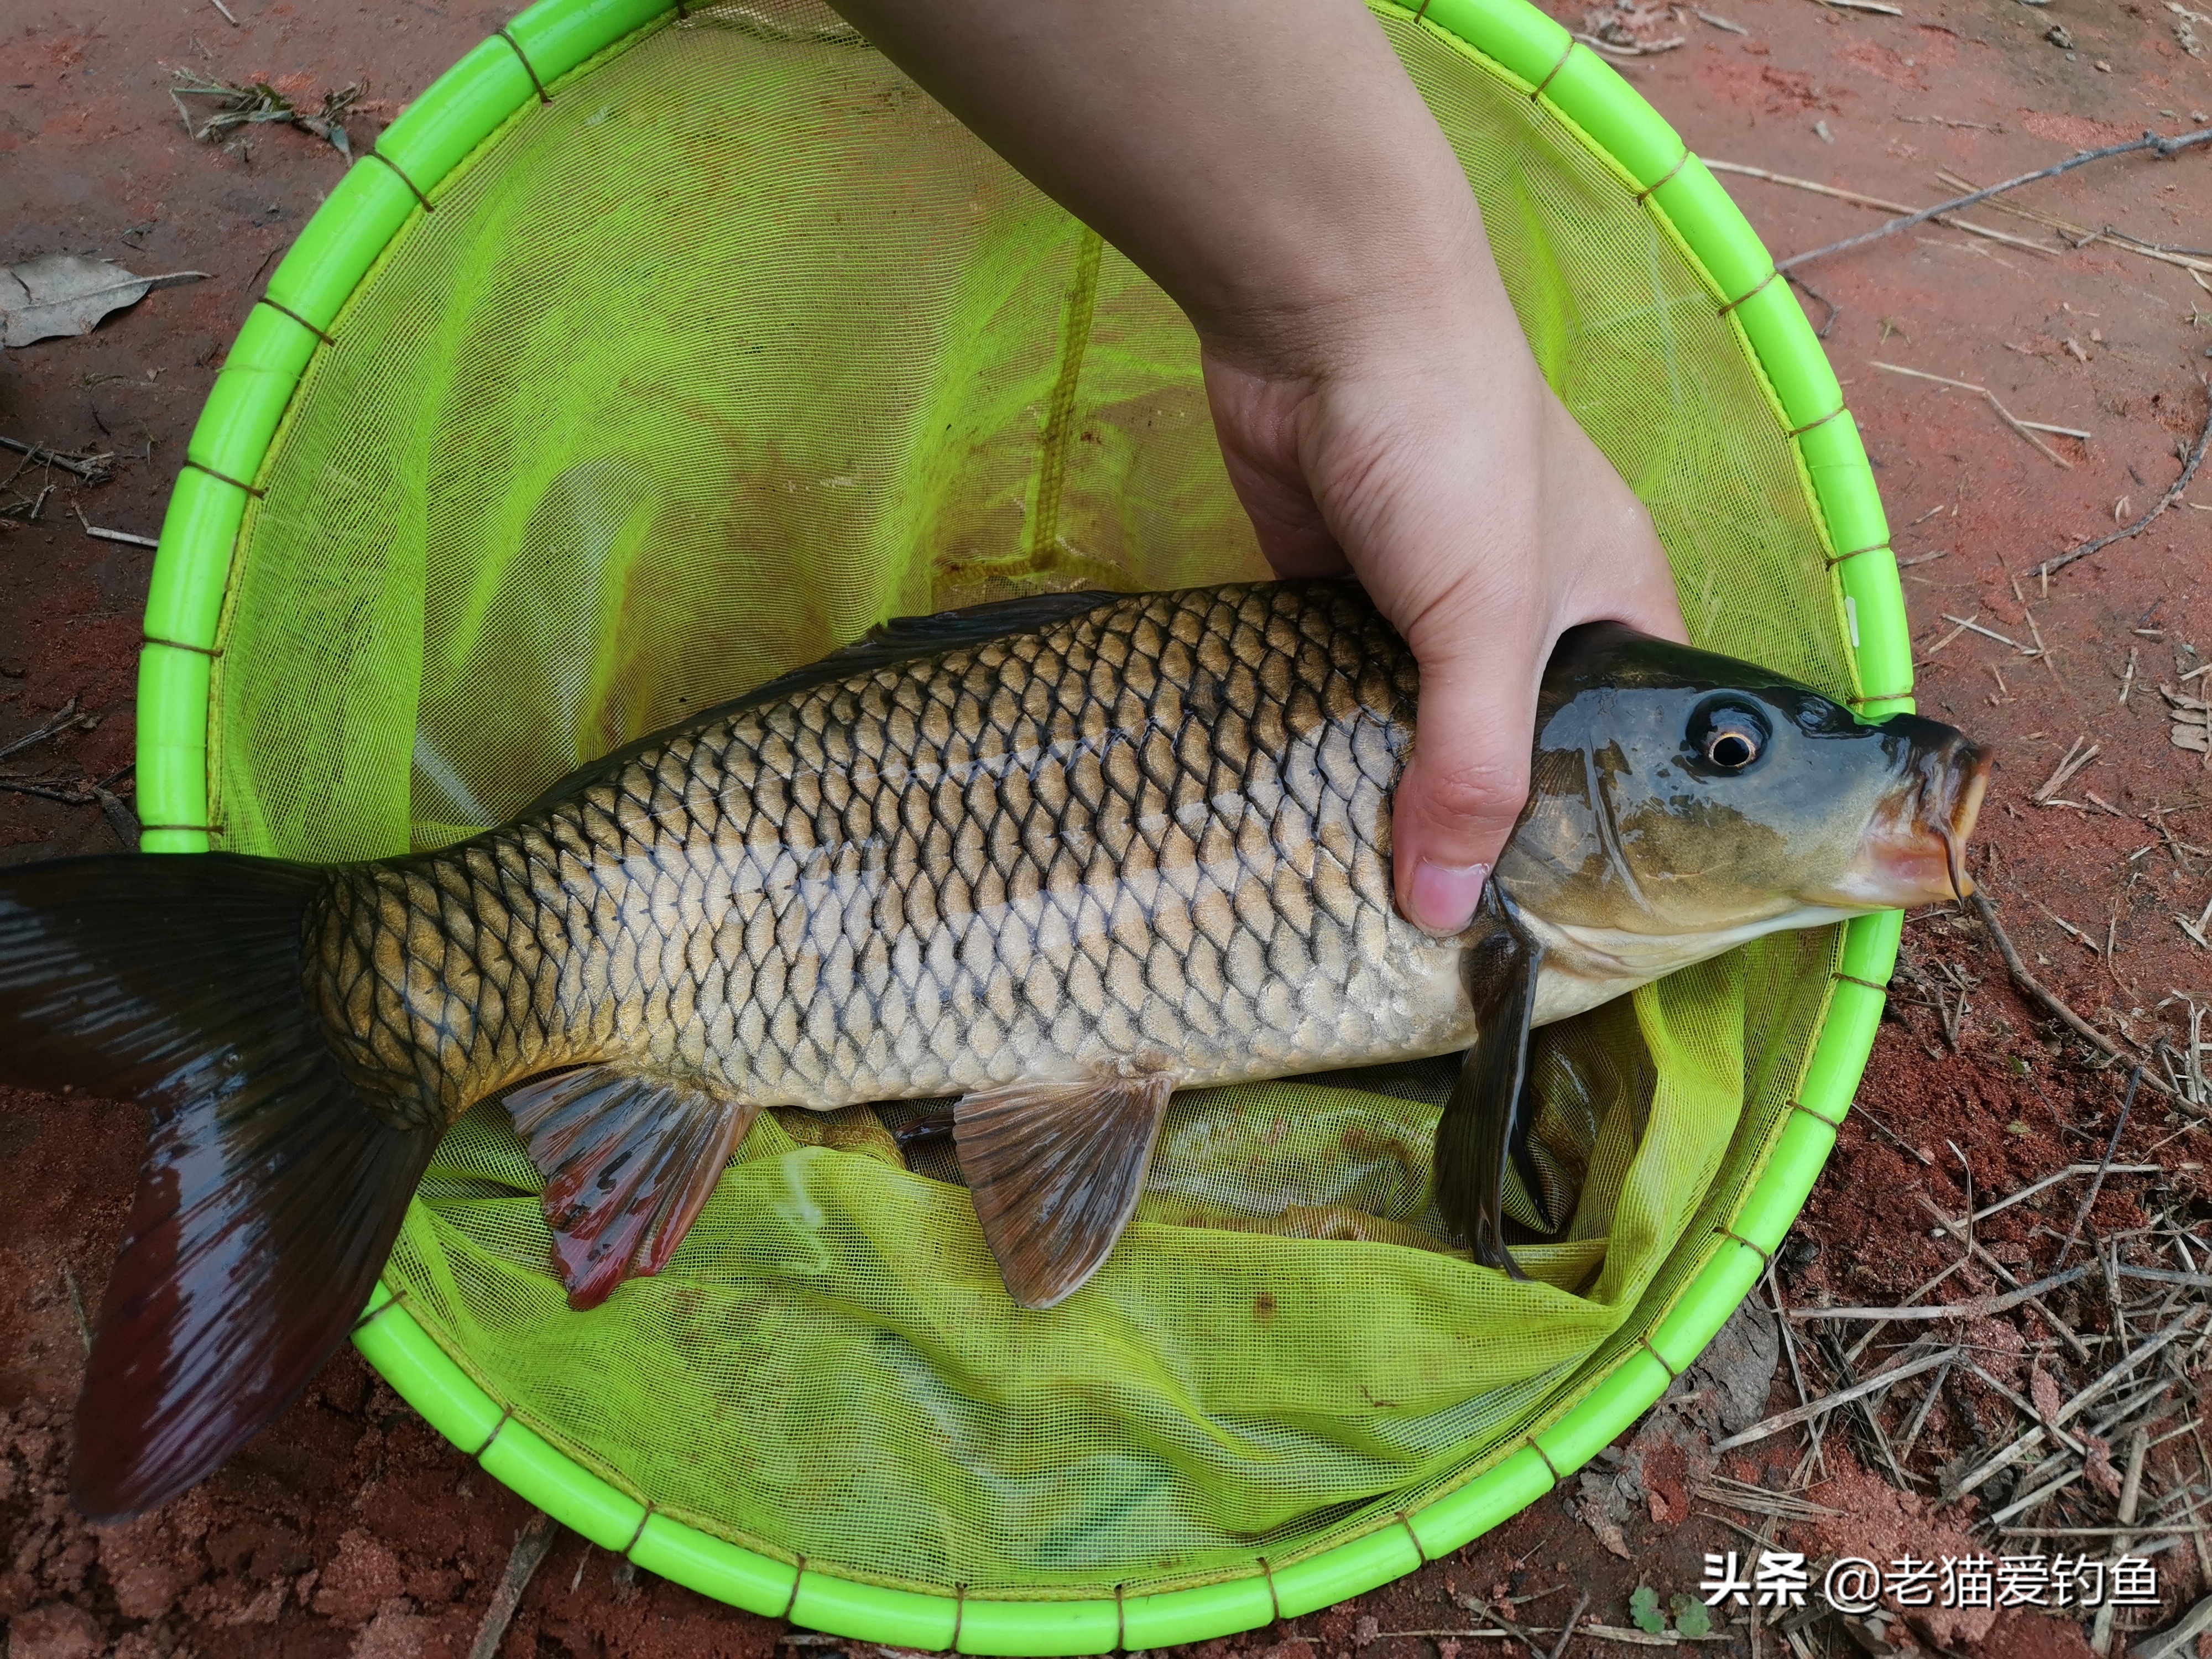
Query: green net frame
453	124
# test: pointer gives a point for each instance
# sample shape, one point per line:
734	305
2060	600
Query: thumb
1463	790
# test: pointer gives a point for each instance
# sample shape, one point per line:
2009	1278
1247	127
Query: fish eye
1728	735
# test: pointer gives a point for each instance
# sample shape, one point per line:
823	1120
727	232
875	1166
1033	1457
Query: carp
1057	857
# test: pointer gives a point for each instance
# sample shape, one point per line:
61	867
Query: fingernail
1444	895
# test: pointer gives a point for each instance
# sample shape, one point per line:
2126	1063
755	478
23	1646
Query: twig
2100	1637
2127	1105
531	1544
2026	1293
1617	51
1920	1415
1733	28
1974	627
1945	640
2150	141
2063	774
2066	1174
91	469
1528	1638
45	790
1876	202
2029	982
1757	1500
1980	1307
2181	1636
2081	235
1575	1617
1806	1414
2166	1276
2172	495
2020	1506
106	535
2003	414
1644	1638
56	723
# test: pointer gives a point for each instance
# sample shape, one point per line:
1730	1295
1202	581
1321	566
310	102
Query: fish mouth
1915	849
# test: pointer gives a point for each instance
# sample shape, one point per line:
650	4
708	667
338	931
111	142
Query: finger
1464	788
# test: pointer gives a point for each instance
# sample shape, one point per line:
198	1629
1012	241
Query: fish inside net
738	346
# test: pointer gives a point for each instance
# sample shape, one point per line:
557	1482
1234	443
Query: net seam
528	69
959	1613
1076	318
373	154
286	310
794	1603
639	1532
1836	1123
225	477
1120	1622
1420	1548
1555	75
1664	180
1752	293
180	645
1556	1476
1765	1256
506	1416
1879	697
1853	979
1672	1375
1800	431
1836	559
1275	1600
382	1308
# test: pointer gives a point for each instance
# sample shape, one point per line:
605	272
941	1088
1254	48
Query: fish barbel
1057	857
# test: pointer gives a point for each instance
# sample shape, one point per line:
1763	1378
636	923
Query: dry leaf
60	294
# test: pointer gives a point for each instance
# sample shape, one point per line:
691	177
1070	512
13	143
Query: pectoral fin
1056	1169
629	1162
1488	1115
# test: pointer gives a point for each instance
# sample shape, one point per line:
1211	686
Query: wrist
1423	307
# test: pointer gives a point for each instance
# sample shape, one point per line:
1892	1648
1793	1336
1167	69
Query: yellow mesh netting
739	345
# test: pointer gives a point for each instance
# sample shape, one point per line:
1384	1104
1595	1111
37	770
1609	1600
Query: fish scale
1154	834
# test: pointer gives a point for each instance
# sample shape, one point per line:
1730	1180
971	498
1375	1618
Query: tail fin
272	1188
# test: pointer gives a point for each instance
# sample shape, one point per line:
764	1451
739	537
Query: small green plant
1692	1617
1643	1610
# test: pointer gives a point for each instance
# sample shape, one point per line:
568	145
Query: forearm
1267	162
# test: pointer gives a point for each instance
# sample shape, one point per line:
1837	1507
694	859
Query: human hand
1424	453
1269	163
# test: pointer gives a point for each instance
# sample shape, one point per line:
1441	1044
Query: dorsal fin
900	640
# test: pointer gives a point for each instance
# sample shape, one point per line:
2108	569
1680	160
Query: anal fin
1488	1116
1055	1170
629	1162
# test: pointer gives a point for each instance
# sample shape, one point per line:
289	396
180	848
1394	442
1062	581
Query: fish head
1676	793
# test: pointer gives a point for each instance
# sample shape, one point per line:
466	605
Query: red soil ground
350	1528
